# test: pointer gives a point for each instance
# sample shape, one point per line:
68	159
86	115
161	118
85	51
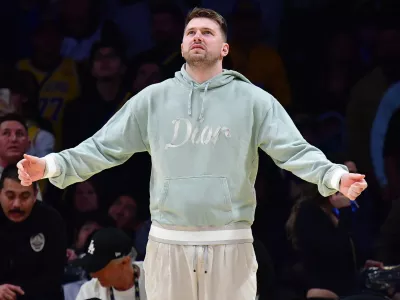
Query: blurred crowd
66	66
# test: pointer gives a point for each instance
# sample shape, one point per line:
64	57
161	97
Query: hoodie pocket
196	201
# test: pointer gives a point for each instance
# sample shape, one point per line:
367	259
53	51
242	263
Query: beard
202	59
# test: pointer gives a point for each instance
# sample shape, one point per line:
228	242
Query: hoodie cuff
51	169
335	179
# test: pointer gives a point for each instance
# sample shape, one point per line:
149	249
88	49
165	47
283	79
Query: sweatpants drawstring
195	255
205	259
194	259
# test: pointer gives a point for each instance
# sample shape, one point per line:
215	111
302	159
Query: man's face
17	200
111	274
203	42
14	141
107	64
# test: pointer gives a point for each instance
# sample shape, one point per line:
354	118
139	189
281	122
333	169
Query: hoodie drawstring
190	100
201	116
195	255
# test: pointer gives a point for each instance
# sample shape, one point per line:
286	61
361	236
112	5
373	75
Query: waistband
200	236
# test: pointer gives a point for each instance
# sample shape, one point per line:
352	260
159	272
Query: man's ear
225	49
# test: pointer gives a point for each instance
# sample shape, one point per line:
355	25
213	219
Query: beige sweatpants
218	272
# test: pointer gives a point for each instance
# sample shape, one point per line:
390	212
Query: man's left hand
352	185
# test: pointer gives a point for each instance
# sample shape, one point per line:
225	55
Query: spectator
147	72
329	256
366	96
260	63
32	255
24	101
110	262
82	27
104	92
14	141
93	222
384	144
124	211
80	202
57	77
167	23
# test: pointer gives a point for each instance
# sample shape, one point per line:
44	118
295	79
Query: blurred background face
163	28
107	64
147	74
16	200
47	44
123	211
14	141
85	199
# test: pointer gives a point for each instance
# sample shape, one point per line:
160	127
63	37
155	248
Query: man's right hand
31	169
10	292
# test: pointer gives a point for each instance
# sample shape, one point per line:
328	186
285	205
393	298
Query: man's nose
197	36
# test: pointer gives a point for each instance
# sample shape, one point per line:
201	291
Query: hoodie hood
217	81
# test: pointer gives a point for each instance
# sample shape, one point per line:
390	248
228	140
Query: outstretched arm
281	140
112	145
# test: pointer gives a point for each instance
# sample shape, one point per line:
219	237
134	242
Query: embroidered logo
37	242
91	247
195	135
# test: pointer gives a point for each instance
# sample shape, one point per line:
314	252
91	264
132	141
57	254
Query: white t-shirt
93	289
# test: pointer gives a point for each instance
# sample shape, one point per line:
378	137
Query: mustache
16	211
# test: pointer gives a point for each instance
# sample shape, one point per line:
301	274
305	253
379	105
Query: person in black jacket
33	243
321	231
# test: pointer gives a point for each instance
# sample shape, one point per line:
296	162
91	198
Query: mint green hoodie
203	140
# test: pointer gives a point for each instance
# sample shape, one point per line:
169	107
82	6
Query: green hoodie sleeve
282	141
111	146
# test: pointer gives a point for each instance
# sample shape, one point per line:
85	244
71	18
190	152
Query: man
109	261
104	95
203	129
14	141
57	77
32	253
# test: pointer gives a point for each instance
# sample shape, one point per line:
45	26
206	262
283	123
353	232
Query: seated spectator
24	101
93	222
124	212
14	141
167	25
32	254
145	73
82	26
327	250
81	200
110	262
260	63
104	93
57	77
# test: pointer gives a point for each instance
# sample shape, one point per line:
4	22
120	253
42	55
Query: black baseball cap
106	245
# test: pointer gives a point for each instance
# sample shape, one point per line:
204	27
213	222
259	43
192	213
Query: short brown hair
209	14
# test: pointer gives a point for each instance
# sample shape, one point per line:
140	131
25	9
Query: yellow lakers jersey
57	89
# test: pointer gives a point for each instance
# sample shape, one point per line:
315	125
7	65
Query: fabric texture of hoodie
203	140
